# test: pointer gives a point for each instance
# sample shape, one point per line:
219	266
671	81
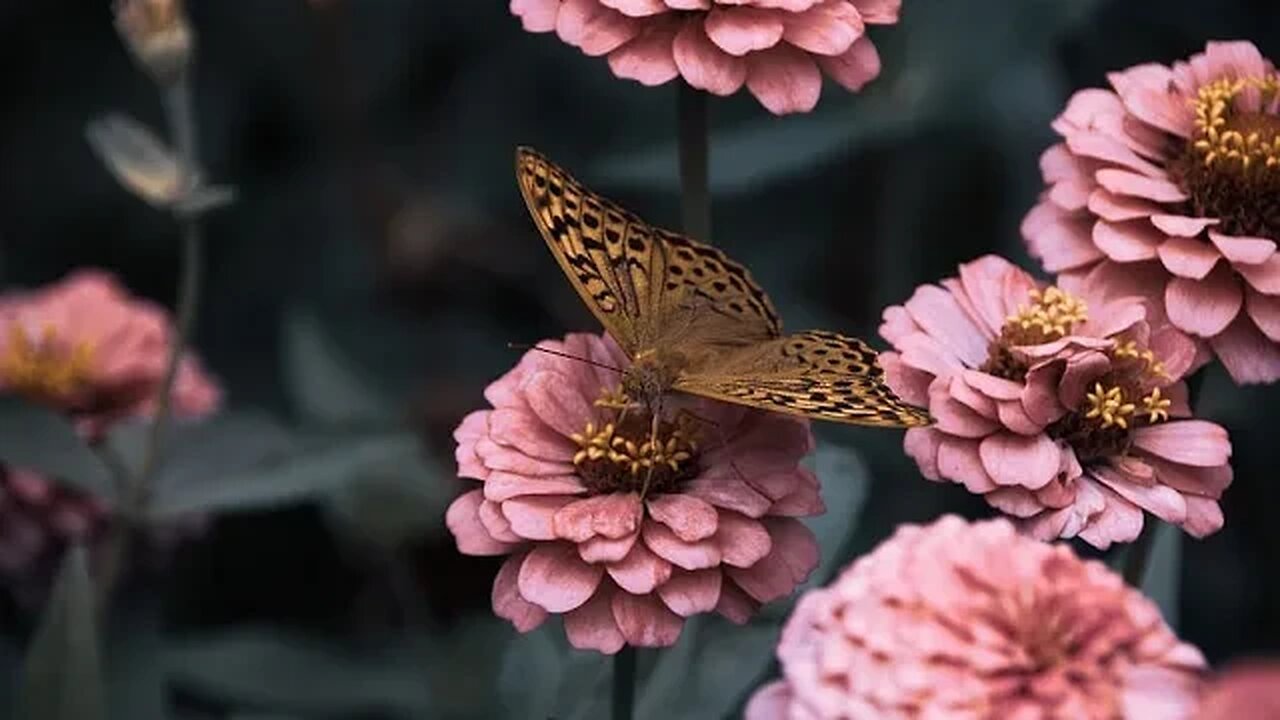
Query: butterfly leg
654	416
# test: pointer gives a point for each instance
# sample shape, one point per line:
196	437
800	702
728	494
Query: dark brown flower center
627	451
1231	167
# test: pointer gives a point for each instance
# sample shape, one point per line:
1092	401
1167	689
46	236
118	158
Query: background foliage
364	287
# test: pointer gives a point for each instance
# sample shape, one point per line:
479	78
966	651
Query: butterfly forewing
815	374
649	287
657	290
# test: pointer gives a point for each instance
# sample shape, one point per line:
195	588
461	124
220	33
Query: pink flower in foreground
624	554
1247	691
971	621
84	346
1061	407
1170	182
777	48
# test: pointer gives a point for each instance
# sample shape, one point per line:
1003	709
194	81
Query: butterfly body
692	320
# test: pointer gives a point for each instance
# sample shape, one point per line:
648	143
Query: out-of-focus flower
40	517
1061	406
779	49
1169	182
1246	691
960	620
623	536
84	346
158	36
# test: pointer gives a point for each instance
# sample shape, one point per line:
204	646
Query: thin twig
133	504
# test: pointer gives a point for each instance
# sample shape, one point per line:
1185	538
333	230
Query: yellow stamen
1109	406
1156	407
1218	143
45	367
1052	312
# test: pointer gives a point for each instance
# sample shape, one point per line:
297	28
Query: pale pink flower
86	347
624	555
969	621
777	48
1246	691
1060	406
1169	181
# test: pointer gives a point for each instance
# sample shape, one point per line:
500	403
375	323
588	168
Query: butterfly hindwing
815	374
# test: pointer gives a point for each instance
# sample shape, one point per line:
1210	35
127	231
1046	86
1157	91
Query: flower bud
158	36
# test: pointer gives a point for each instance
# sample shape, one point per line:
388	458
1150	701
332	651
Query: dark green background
379	260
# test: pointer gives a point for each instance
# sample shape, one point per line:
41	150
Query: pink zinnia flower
777	48
1170	183
1247	691
623	553
960	620
84	346
1060	407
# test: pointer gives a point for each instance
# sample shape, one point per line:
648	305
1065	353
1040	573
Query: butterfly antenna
557	353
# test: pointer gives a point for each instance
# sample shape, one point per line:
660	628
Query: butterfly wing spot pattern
695	317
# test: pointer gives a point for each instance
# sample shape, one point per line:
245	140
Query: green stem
624	683
695	192
137	494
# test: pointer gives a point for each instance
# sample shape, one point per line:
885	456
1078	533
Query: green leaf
62	677
250	463
279	671
542	677
37	438
315	359
403	497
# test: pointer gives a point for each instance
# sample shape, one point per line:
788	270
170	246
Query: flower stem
624	683
1139	554
695	194
133	504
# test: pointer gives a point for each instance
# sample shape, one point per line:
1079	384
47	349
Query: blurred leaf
137	158
543	677
238	469
713	665
404	497
62	678
37	438
326	386
287	672
1163	570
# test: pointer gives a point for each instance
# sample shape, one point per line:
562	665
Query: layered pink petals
953	616
620	568
86	347
778	49
1113	198
1012	438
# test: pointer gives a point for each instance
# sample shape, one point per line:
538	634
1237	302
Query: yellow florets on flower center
43	367
1127	397
1051	315
1231	165
629	452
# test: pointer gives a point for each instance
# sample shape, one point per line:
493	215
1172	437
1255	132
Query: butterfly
694	321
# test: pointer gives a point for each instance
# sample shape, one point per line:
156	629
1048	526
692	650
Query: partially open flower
623	522
158	35
1170	183
961	620
84	346
1060	406
778	50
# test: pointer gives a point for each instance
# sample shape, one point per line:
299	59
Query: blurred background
362	290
